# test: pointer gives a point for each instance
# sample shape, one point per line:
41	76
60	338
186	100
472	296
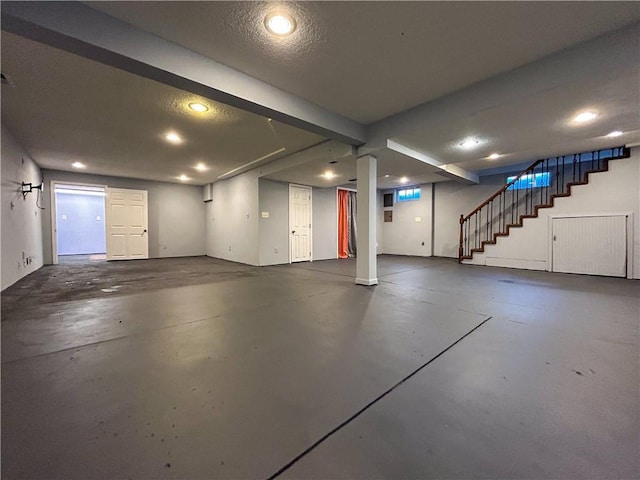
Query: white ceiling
369	60
427	73
64	108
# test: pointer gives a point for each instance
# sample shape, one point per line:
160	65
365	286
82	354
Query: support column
366	261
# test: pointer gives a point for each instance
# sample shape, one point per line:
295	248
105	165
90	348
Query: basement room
320	240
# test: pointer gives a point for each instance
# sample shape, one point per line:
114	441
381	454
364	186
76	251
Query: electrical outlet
275	250
229	247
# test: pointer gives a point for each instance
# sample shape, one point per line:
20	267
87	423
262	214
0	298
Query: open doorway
79	223
347	230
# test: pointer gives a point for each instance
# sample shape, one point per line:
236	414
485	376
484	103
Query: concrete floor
200	368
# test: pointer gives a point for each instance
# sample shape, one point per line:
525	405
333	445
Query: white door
127	225
300	223
590	245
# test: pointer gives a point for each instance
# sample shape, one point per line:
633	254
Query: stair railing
522	197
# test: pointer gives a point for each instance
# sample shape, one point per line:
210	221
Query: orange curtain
343	224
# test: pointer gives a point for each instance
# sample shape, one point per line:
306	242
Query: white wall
274	231
379	222
325	223
232	220
614	192
176	213
452	199
405	235
21	234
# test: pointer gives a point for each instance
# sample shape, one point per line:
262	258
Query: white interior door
300	223
590	245
127	224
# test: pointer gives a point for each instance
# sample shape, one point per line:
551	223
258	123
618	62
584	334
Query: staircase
524	195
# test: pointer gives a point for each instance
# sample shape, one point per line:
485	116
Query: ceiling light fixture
615	133
280	24
493	156
469	143
173	137
404	180
78	165
183	178
387	176
328	174
198	107
584	117
201	167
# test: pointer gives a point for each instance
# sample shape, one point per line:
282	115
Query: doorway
300	244
347	228
78	221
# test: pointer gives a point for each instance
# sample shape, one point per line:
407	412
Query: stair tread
550	204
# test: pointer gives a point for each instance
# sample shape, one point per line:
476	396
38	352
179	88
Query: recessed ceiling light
201	167
328	174
404	180
198	107
615	133
584	117
493	156
280	24
173	137
469	143
387	176
78	165
183	178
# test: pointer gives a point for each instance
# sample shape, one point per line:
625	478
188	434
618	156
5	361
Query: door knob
292	232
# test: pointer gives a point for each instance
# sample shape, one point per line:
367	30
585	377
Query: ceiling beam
82	30
449	171
324	150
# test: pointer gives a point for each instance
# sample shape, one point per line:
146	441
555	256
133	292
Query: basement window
532	180
406	194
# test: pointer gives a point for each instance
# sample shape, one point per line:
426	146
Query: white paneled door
300	223
127	224
590	245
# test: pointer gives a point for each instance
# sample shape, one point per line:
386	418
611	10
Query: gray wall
325	223
404	235
176	213
452	199
20	223
274	231
232	230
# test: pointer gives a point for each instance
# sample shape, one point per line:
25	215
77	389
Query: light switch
418	219
265	214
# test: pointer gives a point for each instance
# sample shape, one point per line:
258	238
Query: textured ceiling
364	60
537	124
392	167
369	60
64	108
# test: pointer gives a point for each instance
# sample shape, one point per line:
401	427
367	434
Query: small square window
406	194
534	180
